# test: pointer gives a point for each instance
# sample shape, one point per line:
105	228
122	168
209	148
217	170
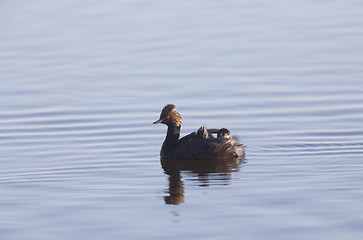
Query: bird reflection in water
208	172
202	153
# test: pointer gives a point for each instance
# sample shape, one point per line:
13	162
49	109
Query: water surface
82	82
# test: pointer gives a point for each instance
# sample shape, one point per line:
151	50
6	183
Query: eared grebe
196	145
224	133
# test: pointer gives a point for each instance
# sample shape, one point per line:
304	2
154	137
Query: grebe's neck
172	136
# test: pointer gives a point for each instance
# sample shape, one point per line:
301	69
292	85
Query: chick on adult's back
200	145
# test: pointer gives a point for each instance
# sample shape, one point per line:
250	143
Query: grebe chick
224	133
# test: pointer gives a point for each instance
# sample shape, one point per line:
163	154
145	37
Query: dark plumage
224	133
196	145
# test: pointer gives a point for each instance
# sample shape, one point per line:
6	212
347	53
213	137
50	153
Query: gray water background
82	81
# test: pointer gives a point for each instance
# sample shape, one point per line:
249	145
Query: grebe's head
169	116
224	133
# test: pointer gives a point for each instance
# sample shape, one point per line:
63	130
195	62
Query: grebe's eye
167	117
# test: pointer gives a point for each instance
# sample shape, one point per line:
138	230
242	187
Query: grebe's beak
158	121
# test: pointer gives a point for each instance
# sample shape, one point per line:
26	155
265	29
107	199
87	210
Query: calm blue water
82	82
